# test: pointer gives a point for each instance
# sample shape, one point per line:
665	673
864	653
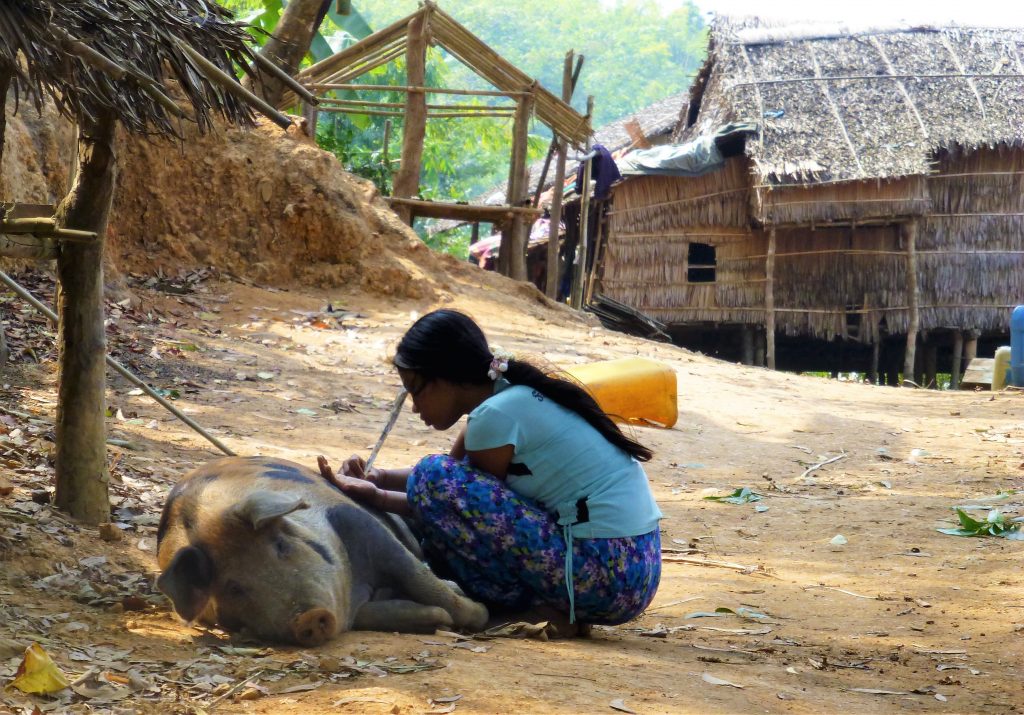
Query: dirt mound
264	204
39	155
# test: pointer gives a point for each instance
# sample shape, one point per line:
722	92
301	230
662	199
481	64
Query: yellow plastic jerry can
637	390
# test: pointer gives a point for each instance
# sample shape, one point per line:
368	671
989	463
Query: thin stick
848	593
396	408
717	564
234	689
565	675
819	465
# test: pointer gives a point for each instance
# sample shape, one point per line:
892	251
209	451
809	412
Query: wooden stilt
970	346
747	344
876	349
759	348
769	301
956	357
931	360
81	469
407	180
910	234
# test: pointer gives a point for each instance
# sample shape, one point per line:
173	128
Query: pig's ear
186	581
259	508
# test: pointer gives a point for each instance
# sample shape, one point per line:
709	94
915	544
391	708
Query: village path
900	618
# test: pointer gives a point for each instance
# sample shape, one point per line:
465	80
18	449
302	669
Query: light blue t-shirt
559	459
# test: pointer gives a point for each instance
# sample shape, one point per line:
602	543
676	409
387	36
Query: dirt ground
900	618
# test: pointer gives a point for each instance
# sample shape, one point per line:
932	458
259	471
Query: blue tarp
693	158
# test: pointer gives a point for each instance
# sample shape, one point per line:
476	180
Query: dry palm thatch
847	104
99	57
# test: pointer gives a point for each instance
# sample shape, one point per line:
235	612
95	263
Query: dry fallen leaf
708	678
620	705
38	673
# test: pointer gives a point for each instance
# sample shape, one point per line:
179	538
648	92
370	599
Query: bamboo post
561	145
910	233
81	469
512	253
407	180
602	227
384	159
569	78
958	350
769	301
580	269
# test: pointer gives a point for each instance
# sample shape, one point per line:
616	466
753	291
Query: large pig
268	547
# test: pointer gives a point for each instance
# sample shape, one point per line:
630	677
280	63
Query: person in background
541	505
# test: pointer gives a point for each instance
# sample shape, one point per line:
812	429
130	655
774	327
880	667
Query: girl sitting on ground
541	505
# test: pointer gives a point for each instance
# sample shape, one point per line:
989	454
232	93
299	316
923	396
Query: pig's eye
282	548
234	589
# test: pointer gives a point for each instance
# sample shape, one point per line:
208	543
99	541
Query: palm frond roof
96	57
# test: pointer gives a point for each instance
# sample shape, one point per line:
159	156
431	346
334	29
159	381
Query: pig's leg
402	616
373	549
417	581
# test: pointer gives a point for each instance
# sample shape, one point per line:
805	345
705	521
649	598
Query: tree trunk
407	179
5	82
82	478
289	43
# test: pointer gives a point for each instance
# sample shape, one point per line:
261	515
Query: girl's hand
357	488
355	466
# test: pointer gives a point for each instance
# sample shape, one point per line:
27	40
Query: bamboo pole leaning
231	85
117	367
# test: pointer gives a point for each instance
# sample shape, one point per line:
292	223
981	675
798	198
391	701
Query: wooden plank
978	374
462	212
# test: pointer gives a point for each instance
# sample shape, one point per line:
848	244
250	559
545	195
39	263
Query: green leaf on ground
995	524
740	496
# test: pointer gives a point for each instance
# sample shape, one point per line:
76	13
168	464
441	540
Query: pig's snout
314	627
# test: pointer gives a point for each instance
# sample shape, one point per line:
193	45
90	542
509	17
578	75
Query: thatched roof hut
882	193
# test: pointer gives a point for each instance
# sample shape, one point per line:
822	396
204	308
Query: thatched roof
845	103
95	57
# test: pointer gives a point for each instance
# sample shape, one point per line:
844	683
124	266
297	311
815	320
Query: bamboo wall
840	282
817	204
971	247
836	281
652	221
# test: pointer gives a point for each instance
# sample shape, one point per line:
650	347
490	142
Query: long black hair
449	345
